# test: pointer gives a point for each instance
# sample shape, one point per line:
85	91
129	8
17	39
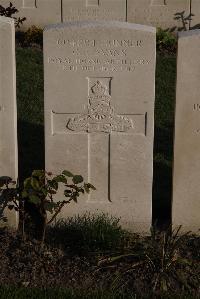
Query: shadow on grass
163	141
22	293
31	157
30	147
162	195
162	183
87	233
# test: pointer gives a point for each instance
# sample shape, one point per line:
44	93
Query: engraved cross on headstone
99	121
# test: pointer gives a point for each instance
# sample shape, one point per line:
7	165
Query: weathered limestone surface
8	112
80	10
37	12
99	114
159	13
195	11
186	187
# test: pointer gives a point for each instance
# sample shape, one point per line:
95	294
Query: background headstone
8	112
195	11
80	10
186	187
37	12
159	13
99	114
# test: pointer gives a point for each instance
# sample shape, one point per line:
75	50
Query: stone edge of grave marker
184	229
195	20
146	19
6	20
36	18
188	33
89	24
106	24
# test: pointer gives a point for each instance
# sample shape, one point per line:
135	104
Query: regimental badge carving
99	115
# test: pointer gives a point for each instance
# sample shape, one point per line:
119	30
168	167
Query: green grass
165	90
31	123
30	110
87	233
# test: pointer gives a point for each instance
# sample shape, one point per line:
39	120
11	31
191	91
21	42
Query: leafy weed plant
40	190
9	12
155	266
33	37
166	41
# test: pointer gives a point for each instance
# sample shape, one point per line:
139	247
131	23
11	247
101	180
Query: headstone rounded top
6	20
101	24
189	33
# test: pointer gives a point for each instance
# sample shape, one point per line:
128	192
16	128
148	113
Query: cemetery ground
92	257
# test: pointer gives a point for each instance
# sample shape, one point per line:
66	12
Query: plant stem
58	211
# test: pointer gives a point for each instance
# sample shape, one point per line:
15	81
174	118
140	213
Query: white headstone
99	114
8	112
186	187
84	10
159	13
195	14
37	12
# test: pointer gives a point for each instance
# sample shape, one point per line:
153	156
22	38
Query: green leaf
77	179
52	192
38	173
87	189
75	199
88	186
24	194
91	186
67	173
34	199
50	206
60	179
53	184
27	183
67	193
44	191
35	184
81	190
5	180
9	193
